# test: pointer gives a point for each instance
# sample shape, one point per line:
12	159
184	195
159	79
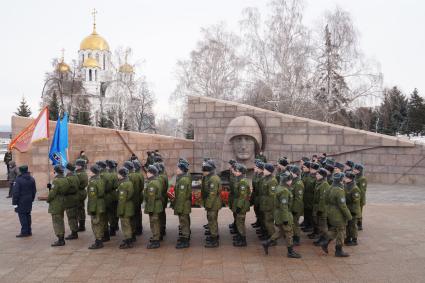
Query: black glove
238	210
285	223
319	213
49	186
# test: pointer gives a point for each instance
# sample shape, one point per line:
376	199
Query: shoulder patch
243	188
356	194
211	185
342	200
181	187
151	189
284	201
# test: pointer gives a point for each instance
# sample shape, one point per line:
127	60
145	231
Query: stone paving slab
392	249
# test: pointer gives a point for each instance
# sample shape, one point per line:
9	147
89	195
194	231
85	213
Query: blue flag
60	142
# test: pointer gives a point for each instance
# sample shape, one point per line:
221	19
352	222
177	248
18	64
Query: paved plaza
392	249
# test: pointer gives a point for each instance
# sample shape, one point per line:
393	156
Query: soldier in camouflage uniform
232	183
163	178
82	193
136	181
309	182
153	204
255	199
242	193
96	206
112	199
338	216
56	199
182	202
71	201
125	208
314	167
319	205
352	196
212	204
297	190
282	163
361	182
283	216
268	190
349	166
138	210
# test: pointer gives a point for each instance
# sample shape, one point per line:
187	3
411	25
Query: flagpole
48	158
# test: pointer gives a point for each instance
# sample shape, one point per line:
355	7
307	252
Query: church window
104	61
95	75
83	58
90	75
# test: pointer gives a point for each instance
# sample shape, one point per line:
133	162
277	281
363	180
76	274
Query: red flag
36	131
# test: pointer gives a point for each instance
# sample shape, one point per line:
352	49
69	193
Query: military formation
327	196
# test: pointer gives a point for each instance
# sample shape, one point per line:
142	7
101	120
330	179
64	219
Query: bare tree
278	51
343	76
143	101
213	68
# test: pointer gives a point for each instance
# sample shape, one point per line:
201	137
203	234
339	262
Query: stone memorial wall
226	130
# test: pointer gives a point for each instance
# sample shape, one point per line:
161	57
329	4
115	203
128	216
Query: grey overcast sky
162	31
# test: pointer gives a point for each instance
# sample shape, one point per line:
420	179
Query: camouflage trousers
296	225
337	233
269	222
72	215
58	224
212	217
352	228
98	225
240	223
284	231
322	225
155	226
126	227
81	212
184	222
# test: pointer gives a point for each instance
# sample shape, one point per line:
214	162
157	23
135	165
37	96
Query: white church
99	80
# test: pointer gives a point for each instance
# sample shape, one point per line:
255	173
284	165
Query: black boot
256	225
263	237
292	253
60	242
126	244
324	245
82	226
233	231
241	242
266	245
318	241
183	243
98	244
212	243
296	240
153	245
339	252
207	233
232	226
347	241
72	236
313	235
106	237
236	238
206	226
112	231
353	242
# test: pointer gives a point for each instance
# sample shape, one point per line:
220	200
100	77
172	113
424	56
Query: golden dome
126	68
63	67
94	42
90	63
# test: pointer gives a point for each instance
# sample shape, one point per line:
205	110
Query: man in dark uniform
163	178
7	158
72	201
212	204
309	182
352	196
11	176
82	193
112	199
23	194
55	199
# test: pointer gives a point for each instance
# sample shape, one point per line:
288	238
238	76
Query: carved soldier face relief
243	147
